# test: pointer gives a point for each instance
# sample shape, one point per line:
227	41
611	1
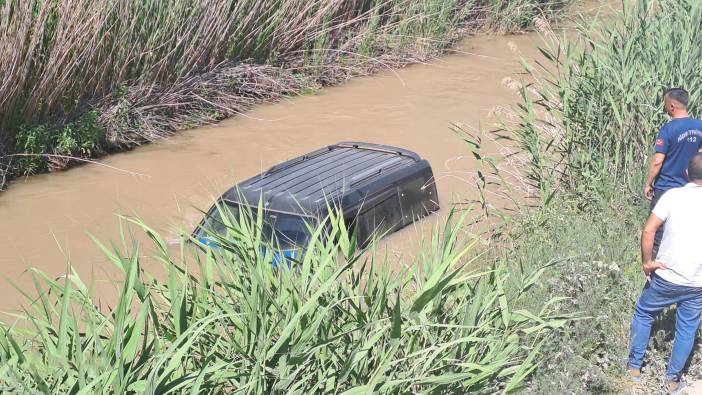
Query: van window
380	219
287	231
415	197
214	223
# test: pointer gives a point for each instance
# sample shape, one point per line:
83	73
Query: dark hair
694	168
680	95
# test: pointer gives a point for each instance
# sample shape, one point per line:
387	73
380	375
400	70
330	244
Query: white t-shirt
681	248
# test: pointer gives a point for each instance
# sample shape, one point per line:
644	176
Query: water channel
411	108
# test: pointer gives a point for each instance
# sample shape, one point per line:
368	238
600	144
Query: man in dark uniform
677	142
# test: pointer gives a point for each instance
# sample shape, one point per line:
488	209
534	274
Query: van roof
305	184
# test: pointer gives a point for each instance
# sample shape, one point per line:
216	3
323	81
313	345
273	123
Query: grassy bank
337	322
84	78
582	135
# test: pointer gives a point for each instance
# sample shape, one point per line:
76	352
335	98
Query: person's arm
653	169
647	236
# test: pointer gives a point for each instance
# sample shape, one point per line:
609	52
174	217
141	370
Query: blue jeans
656	296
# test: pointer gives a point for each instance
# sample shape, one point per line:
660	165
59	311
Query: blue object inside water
206	241
278	256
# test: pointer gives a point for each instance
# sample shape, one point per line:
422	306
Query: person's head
675	101
694	169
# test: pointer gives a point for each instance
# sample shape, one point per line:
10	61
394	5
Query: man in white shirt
673	277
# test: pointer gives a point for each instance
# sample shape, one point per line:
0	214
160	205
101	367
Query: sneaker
675	387
634	375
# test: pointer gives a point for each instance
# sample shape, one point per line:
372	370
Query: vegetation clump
580	140
147	69
221	319
80	138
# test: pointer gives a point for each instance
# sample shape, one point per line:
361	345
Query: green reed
337	321
595	104
150	67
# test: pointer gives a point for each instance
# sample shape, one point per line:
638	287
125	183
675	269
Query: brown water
411	108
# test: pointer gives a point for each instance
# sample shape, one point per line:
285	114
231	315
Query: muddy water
411	108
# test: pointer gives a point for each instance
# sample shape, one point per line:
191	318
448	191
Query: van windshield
288	231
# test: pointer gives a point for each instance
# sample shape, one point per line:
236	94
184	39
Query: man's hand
650	267
648	192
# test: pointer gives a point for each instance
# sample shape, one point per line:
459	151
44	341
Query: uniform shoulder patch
660	142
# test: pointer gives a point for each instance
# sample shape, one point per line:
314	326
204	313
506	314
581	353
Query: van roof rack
307	182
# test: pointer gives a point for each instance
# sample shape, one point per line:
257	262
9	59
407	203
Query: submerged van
378	188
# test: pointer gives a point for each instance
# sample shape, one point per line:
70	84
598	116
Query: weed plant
221	319
596	104
150	68
577	148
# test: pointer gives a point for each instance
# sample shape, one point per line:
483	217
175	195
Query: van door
417	197
379	220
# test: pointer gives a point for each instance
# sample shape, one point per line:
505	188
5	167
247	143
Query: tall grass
578	144
151	67
337	321
596	102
